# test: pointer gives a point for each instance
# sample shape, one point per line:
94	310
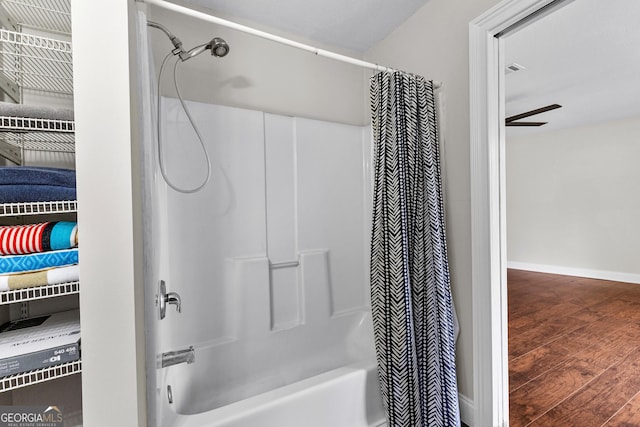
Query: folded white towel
51	276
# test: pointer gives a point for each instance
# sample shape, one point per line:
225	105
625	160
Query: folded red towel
32	238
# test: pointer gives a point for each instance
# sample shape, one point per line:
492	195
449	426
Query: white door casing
488	215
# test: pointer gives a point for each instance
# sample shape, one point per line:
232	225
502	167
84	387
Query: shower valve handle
164	298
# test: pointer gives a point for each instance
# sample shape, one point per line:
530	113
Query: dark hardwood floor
574	351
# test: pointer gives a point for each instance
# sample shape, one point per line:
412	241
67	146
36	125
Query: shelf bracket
9	87
6	21
11	152
24	310
6	84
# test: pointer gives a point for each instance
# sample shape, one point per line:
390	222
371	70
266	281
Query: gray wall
572	199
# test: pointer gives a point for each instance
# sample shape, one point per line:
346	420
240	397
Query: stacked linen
12	264
43	237
9	109
38	255
36	184
52	276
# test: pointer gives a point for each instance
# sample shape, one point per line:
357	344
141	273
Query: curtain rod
229	24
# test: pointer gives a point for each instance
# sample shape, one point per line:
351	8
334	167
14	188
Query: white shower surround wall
282	189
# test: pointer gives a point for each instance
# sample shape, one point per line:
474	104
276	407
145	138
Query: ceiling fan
512	121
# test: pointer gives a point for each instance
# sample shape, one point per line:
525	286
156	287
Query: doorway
489	240
572	339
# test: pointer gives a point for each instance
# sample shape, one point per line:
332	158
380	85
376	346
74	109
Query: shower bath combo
249	337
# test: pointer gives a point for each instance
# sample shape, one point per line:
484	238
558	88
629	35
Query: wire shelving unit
37	376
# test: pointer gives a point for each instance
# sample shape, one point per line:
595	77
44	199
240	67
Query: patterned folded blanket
43	237
38	261
52	276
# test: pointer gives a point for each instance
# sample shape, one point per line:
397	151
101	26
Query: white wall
111	305
572	199
434	43
259	74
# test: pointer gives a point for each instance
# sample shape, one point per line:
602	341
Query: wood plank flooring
574	351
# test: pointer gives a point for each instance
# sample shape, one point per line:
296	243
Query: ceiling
584	56
355	25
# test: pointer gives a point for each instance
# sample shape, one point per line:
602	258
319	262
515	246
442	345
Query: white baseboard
466	410
578	272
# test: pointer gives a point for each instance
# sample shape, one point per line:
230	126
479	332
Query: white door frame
488	219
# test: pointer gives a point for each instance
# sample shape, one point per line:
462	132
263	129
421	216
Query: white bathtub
344	397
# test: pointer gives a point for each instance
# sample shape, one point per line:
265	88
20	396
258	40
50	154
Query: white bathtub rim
234	412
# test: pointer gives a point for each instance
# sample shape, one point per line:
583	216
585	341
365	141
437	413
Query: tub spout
170	358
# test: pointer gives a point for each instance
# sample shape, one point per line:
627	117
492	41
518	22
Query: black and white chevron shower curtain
410	288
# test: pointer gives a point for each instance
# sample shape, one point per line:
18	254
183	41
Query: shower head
217	45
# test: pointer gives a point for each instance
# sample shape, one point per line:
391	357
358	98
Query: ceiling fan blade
525	123
533	112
